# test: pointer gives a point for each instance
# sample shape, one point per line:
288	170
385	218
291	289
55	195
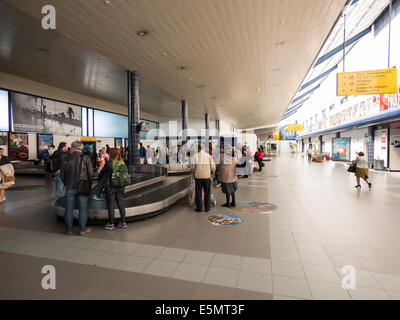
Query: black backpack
50	164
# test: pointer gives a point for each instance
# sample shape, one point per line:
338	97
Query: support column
207	126
133	120
219	134
184	122
320	145
371	146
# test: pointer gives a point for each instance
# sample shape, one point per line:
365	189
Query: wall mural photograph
34	114
19	149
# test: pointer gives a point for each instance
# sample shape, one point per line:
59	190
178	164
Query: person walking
115	176
142	151
227	176
59	158
362	170
203	167
3	185
309	152
77	176
259	158
46	158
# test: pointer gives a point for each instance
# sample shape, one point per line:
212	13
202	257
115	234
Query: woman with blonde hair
114	172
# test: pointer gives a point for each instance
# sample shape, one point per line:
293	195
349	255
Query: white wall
380	146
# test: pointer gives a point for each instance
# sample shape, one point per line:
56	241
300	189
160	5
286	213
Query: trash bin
379	165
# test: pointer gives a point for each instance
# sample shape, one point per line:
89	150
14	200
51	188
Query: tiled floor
298	252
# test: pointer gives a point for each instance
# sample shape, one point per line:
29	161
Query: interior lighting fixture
142	33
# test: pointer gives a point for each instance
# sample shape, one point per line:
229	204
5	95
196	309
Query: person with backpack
116	174
58	160
77	176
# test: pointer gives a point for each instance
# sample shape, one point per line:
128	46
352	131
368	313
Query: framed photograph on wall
4	139
341	149
118	142
18	147
44	142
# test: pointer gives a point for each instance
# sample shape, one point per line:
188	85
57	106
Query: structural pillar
207	126
133	120
371	146
218	134
184	121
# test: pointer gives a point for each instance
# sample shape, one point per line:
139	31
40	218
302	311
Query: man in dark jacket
77	167
58	161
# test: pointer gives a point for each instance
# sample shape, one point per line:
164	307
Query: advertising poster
3	140
18	146
384	102
34	114
44	142
341	149
118	142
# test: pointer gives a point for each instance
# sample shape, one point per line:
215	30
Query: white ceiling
251	55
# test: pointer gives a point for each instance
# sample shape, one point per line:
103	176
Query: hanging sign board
295	127
367	82
88	139
276	137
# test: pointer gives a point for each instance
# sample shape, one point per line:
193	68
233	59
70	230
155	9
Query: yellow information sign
89	139
367	82
295	127
276	137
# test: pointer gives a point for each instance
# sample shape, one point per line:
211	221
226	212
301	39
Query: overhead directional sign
295	127
367	82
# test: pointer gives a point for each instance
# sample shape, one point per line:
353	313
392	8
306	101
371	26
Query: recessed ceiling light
258	89
164	54
142	33
107	1
44	50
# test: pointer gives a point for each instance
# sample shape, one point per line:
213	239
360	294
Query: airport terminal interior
200	150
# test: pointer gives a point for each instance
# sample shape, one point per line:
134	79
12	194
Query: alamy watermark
49	280
49	20
349	279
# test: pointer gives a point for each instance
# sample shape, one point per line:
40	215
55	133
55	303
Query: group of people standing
233	163
74	168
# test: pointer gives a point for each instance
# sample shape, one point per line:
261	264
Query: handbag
84	186
352	168
7	170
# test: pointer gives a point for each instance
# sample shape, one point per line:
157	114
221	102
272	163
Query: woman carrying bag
361	169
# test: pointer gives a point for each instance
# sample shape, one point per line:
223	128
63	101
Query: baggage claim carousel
151	192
